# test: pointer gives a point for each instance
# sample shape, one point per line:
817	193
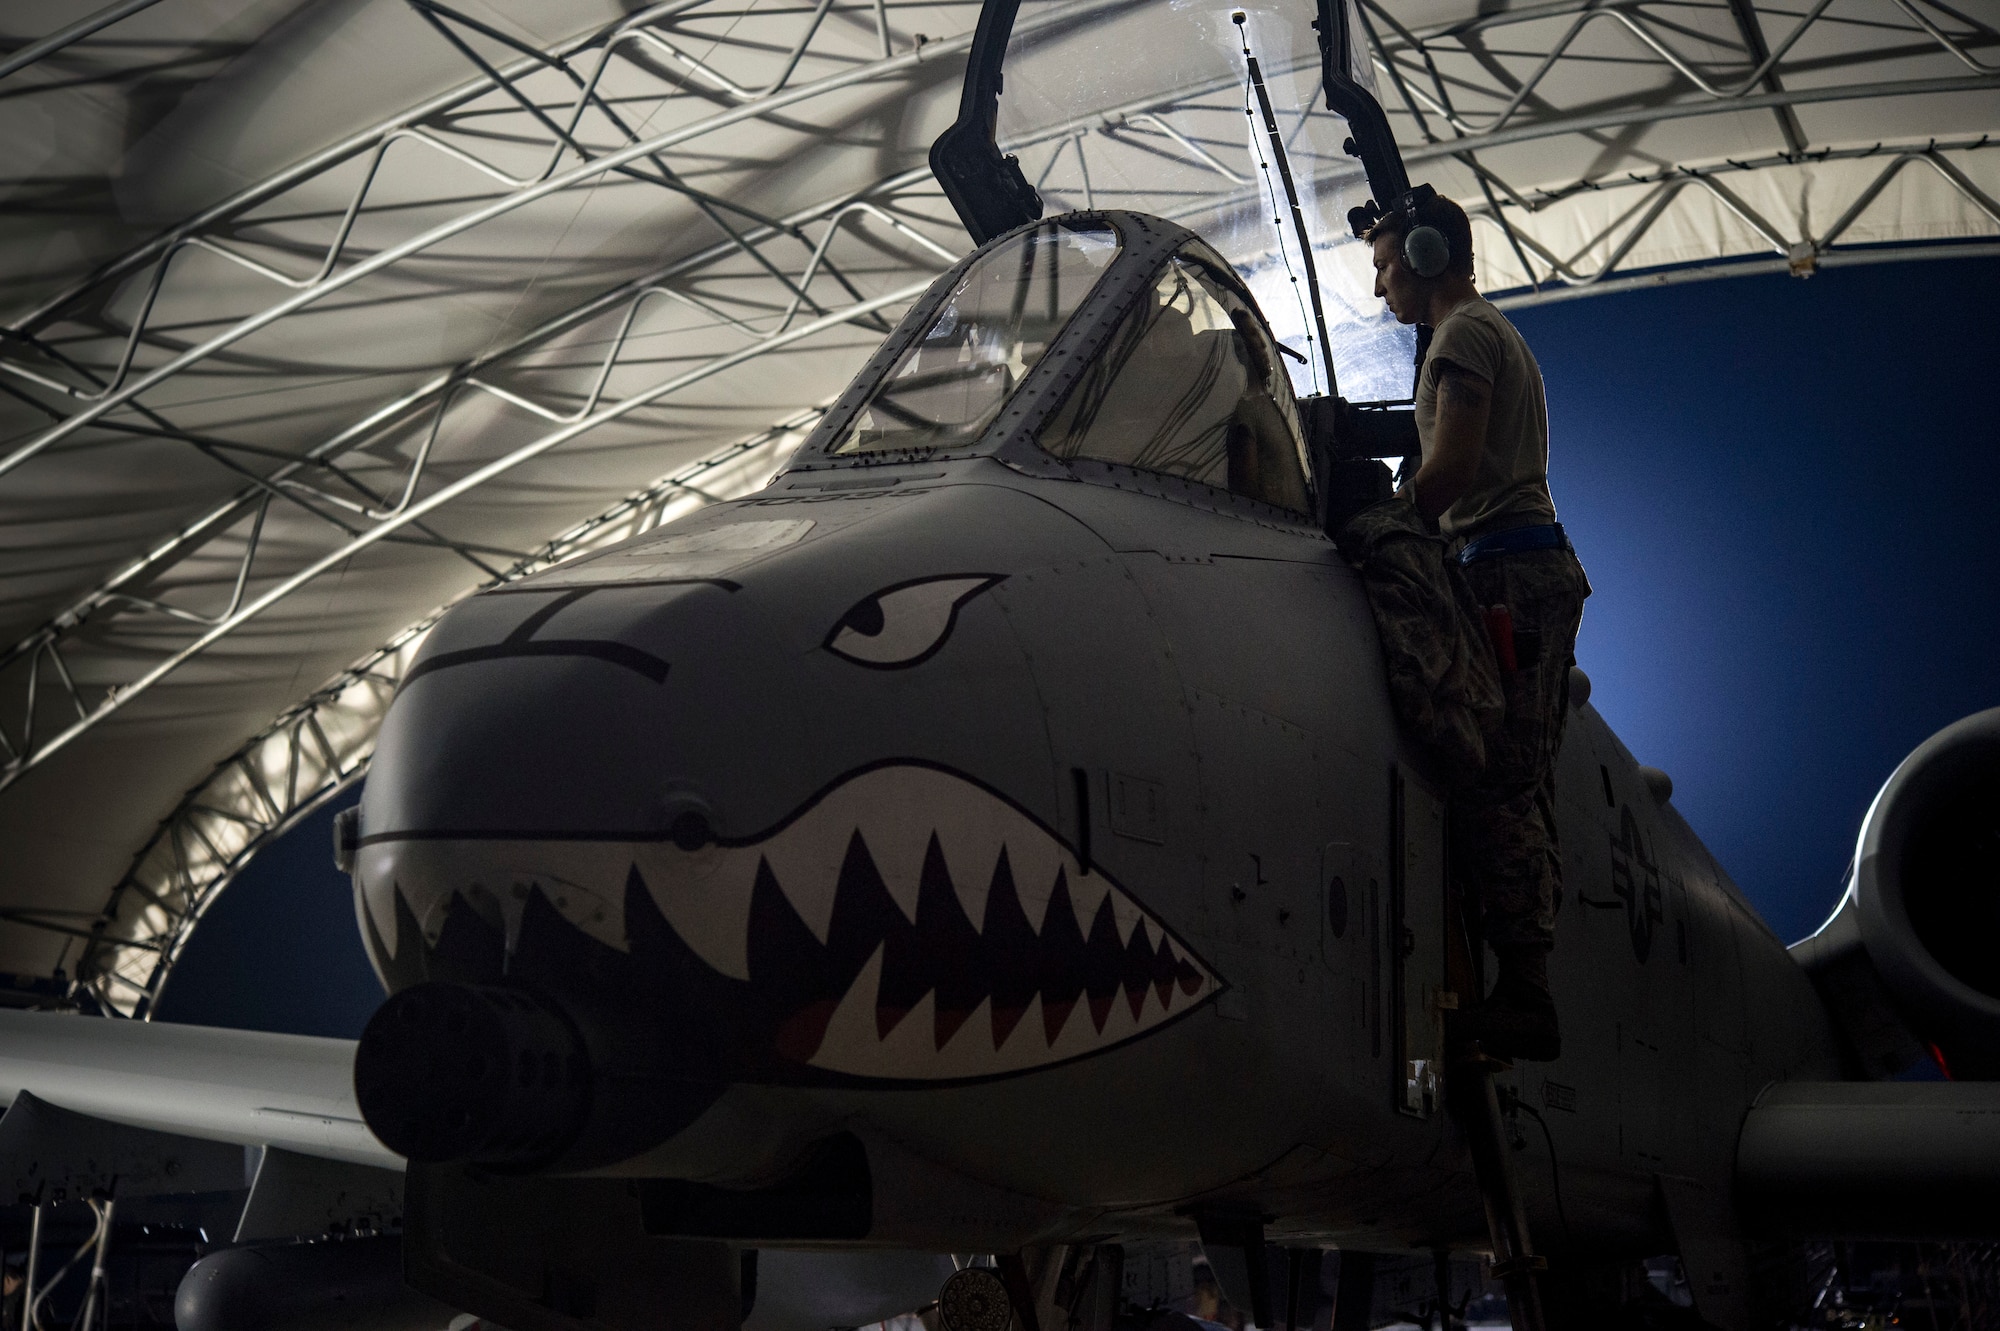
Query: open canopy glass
1006	309
1150	106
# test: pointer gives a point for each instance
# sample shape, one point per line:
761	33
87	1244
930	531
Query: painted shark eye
903	625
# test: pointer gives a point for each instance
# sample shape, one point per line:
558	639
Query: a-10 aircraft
994	837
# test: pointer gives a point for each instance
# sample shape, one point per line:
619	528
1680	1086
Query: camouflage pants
1443	681
1503	824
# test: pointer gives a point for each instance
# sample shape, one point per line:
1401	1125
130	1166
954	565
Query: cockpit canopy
1189	386
1068	338
1001	316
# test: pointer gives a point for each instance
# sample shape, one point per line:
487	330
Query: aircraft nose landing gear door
1417	925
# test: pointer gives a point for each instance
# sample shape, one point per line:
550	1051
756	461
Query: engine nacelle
1920	924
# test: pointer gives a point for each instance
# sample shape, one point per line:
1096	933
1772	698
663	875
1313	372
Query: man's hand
1464	402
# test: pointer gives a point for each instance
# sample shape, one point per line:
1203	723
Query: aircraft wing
249	1088
100	1107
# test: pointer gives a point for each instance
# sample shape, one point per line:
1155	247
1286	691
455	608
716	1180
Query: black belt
1514	541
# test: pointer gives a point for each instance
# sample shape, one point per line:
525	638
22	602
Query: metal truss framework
1570	276
1462	89
1434	81
322	747
1454	97
36	673
1464	93
70	35
557	93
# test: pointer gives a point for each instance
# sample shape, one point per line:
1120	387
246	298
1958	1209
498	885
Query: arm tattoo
1462	387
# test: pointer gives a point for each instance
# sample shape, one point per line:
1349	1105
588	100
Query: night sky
1778	488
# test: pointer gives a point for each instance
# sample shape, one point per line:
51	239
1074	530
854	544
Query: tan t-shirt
1511	488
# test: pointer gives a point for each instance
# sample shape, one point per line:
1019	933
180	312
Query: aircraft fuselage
1054	839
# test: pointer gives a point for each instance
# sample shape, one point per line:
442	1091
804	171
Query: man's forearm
1451	462
1446	475
1431	492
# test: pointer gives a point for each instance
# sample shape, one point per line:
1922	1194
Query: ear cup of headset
1425	251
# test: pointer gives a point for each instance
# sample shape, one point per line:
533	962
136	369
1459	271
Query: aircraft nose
580	711
793	817
543	744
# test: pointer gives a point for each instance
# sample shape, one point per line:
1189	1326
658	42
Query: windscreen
1149	106
1189	386
1007	307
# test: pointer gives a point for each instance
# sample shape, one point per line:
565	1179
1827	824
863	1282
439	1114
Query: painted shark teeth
943	998
583	880
907	923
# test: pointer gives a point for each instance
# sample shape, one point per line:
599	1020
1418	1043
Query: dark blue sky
1780	489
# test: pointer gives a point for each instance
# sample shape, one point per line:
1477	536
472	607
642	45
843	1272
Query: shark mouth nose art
906	923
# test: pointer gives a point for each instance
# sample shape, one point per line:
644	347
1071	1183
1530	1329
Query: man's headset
1426	252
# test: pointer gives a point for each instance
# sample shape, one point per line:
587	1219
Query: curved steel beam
1666	54
313	482
582	174
1799	255
491	78
73	33
120	698
1709	272
432	393
1581	124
